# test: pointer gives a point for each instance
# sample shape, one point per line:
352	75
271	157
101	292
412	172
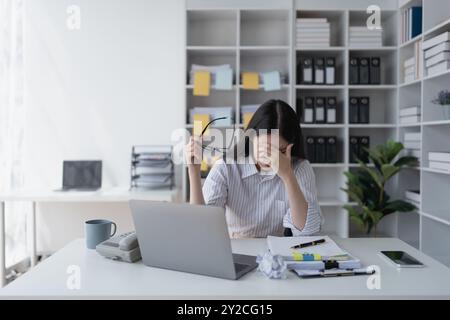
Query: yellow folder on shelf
250	80
246	118
202	83
200	122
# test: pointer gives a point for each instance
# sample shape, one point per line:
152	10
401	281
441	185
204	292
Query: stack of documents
413	196
221	76
363	37
324	256
410	115
313	32
412	142
270	81
439	160
413	67
437	53
152	167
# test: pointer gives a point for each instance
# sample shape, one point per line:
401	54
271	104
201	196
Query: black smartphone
402	260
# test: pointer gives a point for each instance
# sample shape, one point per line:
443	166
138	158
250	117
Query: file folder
308	110
250	81
320	110
331	150
319	71
354	150
375	70
364	142
354	110
331	110
364	71
354	71
202	83
321	153
330	70
364	110
310	149
307	71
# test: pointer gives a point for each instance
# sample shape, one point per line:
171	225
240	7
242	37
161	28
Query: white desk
35	197
103	278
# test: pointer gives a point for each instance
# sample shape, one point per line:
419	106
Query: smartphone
402	260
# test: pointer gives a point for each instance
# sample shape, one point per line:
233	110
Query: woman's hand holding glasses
193	153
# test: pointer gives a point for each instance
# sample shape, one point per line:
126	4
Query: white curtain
12	123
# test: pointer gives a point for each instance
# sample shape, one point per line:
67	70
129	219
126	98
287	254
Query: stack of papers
313	32
410	115
152	167
363	37
328	251
437	53
412	140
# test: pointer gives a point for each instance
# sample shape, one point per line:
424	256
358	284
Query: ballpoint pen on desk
308	244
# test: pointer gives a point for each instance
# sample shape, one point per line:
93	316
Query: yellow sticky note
202	83
250	80
200	122
246	119
204	166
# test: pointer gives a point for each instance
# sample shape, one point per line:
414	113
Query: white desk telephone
123	247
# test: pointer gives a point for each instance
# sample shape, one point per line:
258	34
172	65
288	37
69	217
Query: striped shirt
257	205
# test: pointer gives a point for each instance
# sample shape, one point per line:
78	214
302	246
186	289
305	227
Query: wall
95	92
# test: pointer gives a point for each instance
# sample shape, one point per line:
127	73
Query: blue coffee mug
97	231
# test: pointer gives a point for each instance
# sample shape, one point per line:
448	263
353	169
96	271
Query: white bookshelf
429	227
260	36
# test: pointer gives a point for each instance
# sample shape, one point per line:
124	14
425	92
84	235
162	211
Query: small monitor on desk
82	175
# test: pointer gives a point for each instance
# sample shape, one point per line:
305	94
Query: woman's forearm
195	184
297	202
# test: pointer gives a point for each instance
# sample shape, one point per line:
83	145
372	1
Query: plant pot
446	112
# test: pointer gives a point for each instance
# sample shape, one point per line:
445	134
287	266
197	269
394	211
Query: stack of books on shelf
411	23
206	114
439	160
313	32
152	167
410	115
413	67
437	53
413	196
412	142
362	37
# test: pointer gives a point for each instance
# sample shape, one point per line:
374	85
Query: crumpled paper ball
272	266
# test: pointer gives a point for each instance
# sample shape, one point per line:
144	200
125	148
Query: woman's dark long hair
277	115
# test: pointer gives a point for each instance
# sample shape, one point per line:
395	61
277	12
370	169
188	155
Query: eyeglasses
215	149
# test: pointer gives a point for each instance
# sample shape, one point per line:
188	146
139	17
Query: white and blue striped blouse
257	205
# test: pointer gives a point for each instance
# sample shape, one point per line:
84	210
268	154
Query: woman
275	190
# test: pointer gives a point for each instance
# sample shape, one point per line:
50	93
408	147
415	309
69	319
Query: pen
308	244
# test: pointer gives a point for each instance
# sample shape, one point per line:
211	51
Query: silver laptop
187	238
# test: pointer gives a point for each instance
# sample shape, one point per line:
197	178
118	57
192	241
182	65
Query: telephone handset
123	247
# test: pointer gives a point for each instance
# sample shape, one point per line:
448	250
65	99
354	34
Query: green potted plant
443	100
367	186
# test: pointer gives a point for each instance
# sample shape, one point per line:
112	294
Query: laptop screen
82	174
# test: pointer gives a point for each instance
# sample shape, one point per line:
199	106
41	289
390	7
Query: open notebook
282	246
